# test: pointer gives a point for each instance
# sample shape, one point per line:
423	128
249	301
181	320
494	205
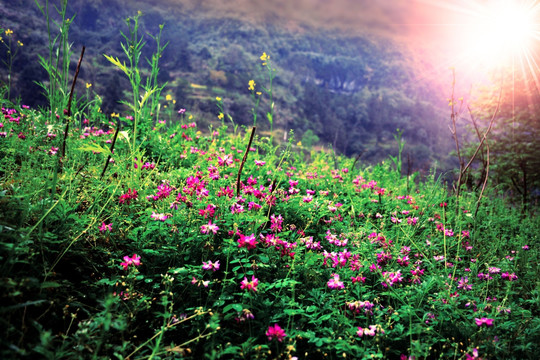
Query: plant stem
243	161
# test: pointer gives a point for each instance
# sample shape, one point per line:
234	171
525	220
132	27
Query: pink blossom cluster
134	260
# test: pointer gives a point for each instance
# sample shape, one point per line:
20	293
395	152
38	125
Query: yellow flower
299	143
251	85
259	93
174	101
88	85
168	97
9	32
115	115
264	58
220	116
19	43
218	98
190	117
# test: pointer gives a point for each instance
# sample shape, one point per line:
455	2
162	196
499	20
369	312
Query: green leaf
270	118
50	284
95	148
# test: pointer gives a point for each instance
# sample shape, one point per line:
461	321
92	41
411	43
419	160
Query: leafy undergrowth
162	256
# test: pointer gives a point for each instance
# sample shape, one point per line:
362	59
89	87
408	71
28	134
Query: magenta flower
134	260
260	162
463	284
210	265
104	227
275	332
206	229
335	283
508	276
227	160
247	241
276	223
127	197
250	285
473	356
53	150
484	321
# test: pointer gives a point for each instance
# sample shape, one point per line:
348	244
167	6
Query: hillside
352	91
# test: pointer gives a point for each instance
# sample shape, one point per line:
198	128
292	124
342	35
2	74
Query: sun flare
502	31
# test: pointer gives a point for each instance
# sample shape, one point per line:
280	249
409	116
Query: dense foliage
145	235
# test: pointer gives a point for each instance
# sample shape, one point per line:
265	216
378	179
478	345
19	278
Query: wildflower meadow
143	236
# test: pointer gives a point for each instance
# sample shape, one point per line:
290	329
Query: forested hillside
346	92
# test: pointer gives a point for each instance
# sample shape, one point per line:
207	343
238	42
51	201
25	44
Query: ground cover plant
143	236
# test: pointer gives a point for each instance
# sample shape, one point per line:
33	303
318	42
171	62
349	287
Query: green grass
313	259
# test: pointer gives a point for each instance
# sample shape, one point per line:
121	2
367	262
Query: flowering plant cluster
250	249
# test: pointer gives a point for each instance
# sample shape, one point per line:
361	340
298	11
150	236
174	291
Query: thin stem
243	161
70	100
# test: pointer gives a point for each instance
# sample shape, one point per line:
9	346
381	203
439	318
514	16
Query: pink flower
250	285
227	160
473	356
508	276
206	229
247	241
370	331
334	282
210	265
260	162
484	321
127	197
104	227
275	332
134	260
276	223
194	281
159	217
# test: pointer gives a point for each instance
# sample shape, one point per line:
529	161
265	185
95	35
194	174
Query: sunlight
502	32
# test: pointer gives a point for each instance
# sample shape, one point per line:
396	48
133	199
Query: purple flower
508	276
463	284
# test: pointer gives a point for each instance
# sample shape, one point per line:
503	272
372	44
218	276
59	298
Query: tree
512	152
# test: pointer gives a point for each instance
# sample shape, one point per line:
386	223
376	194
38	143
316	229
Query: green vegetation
352	92
147	236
